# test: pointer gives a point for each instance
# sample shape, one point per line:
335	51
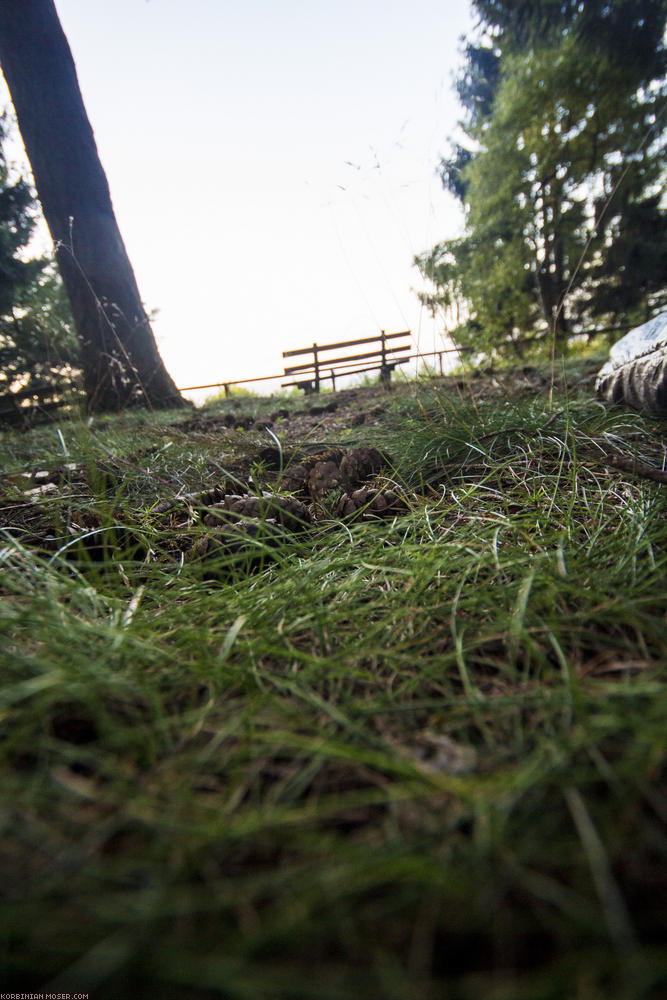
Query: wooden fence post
385	370
317	369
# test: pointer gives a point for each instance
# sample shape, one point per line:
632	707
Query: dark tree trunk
120	359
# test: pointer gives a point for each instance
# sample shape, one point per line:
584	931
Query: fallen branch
637	468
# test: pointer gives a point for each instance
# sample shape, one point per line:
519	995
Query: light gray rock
636	372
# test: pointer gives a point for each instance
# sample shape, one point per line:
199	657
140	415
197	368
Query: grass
414	757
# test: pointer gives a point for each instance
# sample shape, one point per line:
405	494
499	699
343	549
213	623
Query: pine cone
323	478
294	480
232	538
367	501
285	510
219	492
297	477
360	464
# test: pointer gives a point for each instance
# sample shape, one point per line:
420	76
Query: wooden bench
321	366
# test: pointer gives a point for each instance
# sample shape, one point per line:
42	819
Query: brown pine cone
219	492
294	479
323	478
367	501
360	464
297	476
286	510
234	538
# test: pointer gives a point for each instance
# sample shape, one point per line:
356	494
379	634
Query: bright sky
272	165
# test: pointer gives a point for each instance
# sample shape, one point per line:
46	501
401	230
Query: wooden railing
322	365
339	371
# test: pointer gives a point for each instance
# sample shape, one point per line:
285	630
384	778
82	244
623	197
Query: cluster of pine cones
236	518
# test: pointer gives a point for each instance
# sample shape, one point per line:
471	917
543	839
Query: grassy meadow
416	753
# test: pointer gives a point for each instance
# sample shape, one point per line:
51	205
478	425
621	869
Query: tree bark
120	359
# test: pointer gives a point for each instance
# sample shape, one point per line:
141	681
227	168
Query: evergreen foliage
560	174
16	225
38	346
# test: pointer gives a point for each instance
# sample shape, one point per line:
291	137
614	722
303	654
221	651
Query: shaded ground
261	740
321	453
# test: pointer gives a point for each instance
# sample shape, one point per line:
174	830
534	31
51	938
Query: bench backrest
321	357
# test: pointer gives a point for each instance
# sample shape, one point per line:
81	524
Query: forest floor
355	695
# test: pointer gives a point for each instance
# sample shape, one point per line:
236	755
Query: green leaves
560	176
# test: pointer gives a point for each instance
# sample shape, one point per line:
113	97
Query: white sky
272	165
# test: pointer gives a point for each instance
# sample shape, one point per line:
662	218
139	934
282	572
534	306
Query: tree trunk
120	359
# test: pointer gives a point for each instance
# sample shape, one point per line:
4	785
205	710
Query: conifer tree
560	173
38	346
